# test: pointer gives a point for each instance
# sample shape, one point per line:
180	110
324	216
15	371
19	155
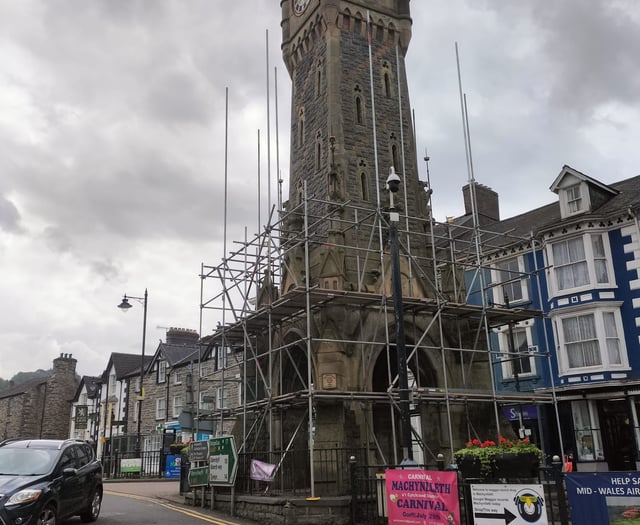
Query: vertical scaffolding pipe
309	346
404	170
547	339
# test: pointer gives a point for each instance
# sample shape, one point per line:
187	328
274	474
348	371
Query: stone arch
290	374
425	372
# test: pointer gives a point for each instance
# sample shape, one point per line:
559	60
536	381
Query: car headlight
24	496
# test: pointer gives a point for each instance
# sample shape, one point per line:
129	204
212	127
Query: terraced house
578	261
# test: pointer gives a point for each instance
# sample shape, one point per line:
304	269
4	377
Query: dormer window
574	199
578	193
162	371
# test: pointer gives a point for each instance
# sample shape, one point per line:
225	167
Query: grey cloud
57	240
588	50
107	269
9	216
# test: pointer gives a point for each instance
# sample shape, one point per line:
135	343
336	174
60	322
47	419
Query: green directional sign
223	461
198	476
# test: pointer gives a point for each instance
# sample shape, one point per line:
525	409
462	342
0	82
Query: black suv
43	480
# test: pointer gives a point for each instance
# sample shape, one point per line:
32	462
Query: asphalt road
147	503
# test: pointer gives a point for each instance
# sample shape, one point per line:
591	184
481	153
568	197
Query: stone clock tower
350	122
339	151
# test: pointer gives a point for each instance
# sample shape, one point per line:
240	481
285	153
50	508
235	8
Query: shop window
588	441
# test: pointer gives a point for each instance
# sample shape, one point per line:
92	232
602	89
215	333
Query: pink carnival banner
416	497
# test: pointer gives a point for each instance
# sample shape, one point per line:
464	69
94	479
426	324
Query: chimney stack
487	202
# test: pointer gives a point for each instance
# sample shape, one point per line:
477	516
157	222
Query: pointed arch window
364	186
387	85
301	128
359	118
394	157
319	80
357	26
387	80
318	151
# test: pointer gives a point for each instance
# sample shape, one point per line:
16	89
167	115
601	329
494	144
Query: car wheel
47	515
93	510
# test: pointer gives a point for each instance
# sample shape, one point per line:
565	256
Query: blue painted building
576	259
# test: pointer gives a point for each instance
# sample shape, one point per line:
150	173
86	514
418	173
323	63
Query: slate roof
126	365
177	355
24	387
517	229
92	385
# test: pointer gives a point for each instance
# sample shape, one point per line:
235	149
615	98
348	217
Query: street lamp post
124	306
393	184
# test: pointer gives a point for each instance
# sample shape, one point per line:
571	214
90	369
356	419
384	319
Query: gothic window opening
364	186
318	152
301	128
318	80
387	79
358	110
346	22
387	85
394	158
357	26
392	34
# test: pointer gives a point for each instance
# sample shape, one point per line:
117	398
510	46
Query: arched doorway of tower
291	421
422	375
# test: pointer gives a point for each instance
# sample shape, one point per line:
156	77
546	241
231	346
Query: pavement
168	491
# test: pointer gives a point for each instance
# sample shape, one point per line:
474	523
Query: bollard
556	464
352	468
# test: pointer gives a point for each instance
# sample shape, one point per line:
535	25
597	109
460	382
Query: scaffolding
270	284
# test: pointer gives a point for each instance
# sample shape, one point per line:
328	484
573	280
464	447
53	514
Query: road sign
198	476
198	451
223	461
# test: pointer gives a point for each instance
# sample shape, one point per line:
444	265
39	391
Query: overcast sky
112	136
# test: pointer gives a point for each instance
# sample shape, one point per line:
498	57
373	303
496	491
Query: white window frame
507	359
177	377
162	372
206	405
589	259
567	197
161	408
221	398
597	310
178	404
222	357
496	277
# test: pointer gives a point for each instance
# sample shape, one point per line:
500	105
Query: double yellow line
175	508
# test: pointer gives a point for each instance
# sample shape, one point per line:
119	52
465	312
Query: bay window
590	339
581	262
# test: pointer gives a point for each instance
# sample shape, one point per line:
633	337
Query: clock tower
350	124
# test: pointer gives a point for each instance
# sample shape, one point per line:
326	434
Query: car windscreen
26	461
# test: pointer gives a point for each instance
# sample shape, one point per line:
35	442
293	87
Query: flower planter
470	467
519	465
